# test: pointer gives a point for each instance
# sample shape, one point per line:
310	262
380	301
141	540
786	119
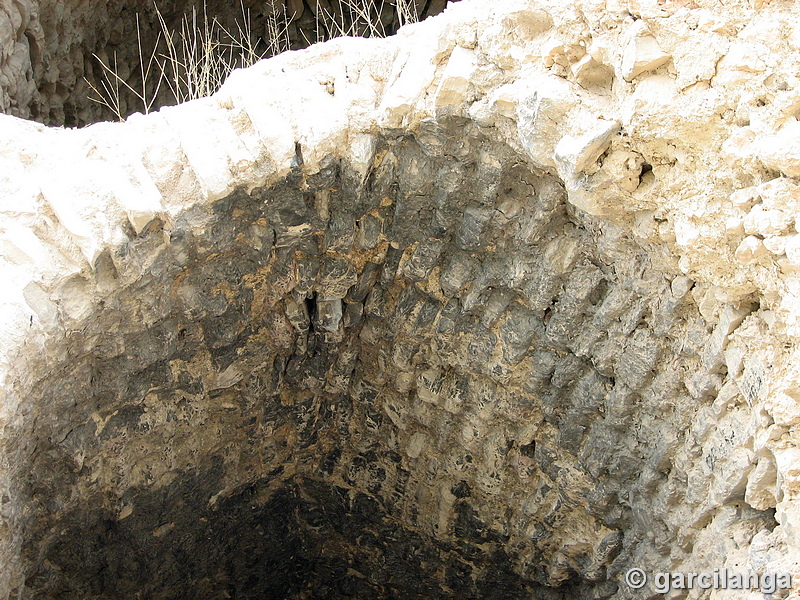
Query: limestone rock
781	150
642	53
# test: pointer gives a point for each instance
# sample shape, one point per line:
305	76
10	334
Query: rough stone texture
500	307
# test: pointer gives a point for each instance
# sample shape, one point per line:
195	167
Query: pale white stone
131	185
339	106
76	299
15	326
362	151
727	397
776	244
750	250
685	231
745	198
624	168
590	72
576	153
741	146
458	73
544	103
81	198
412	73
743	56
121	149
500	102
780	193
784	409
163	160
215	152
28	248
792	249
786	266
787	514
734	227
504	102
766	221
730	478
738	64
274	131
642	53
680	286
39	302
788	462
781	151
729	319
734	357
18	190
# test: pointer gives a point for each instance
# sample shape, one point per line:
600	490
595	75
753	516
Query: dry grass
113	85
362	18
195	60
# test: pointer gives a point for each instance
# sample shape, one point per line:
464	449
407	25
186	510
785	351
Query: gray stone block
519	327
543	362
448	316
336	277
368	231
638	361
457	271
353	314
473	224
366	280
340	233
424	257
496	303
389	270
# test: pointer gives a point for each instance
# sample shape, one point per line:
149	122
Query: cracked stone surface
500	307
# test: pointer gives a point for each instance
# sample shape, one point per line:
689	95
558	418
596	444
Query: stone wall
500	307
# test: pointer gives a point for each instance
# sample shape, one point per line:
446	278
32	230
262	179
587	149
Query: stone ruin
503	306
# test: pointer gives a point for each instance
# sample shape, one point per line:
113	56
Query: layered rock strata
501	307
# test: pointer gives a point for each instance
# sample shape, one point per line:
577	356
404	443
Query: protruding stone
329	315
730	318
575	154
423	259
792	249
456	78
642	54
765	222
781	151
45	309
337	275
540	109
762	485
750	250
745	198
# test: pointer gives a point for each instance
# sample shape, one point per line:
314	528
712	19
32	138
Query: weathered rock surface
500	307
